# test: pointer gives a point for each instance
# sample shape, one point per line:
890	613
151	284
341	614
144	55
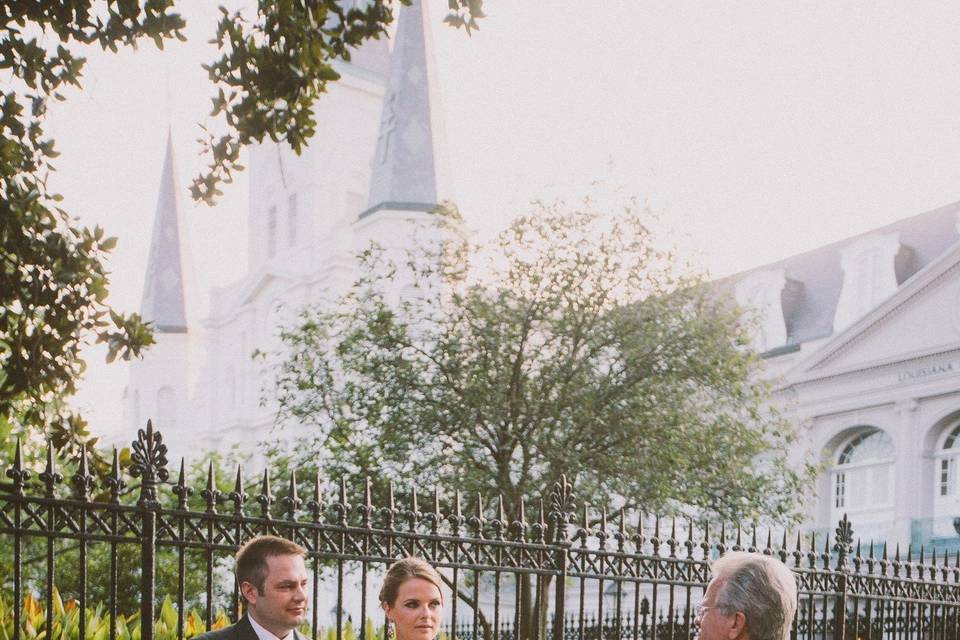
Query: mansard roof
163	302
408	165
816	276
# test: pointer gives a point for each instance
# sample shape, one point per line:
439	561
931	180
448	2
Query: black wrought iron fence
550	575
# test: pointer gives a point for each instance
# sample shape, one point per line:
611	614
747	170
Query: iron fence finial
83	480
238	496
844	542
181	490
292	501
266	497
211	494
317	504
17	473
115	481
562	508
148	457
50	476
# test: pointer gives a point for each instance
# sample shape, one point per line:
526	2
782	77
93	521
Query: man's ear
738	626
250	593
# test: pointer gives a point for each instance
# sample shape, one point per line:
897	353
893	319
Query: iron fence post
149	463
843	546
562	510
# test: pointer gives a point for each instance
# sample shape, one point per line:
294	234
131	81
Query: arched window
947	469
863	473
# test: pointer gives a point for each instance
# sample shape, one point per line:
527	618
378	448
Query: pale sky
756	130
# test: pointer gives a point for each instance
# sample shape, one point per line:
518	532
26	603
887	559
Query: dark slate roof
163	301
403	172
814	278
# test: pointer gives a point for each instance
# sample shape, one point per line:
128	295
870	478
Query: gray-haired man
751	597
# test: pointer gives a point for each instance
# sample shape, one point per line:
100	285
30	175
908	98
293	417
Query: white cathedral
861	338
375	170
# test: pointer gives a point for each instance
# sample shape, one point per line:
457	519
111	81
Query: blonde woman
412	599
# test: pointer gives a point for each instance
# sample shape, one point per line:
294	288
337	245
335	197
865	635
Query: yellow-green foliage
66	621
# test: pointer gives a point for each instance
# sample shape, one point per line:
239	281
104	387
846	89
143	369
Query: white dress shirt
263	634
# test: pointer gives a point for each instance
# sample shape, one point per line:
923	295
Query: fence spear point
265	487
18	456
51	467
293	484
501	512
436	503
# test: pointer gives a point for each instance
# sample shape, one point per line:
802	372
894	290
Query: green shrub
66	621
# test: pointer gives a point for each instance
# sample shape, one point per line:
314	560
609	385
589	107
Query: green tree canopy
571	345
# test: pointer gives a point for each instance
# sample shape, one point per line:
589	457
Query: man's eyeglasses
701	609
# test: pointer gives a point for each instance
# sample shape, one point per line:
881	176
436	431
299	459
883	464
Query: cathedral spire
163	301
408	171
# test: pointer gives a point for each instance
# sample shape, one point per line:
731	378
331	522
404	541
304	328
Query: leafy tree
581	351
53	279
571	346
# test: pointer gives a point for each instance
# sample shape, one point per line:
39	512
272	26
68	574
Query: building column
906	469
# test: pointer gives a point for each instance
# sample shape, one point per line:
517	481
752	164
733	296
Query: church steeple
408	171
164	302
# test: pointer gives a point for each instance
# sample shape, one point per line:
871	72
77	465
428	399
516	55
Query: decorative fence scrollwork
566	572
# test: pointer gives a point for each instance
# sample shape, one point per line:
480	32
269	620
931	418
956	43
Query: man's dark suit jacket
239	631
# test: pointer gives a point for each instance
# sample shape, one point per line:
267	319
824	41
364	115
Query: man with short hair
751	597
272	576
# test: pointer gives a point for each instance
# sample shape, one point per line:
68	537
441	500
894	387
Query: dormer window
760	294
869	277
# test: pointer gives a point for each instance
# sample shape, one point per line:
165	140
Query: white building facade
862	342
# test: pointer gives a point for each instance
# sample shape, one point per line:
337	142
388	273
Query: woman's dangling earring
391	630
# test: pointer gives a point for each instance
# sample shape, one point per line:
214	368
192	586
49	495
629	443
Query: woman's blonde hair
403	570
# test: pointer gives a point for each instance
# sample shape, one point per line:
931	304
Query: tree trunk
485	626
534	607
